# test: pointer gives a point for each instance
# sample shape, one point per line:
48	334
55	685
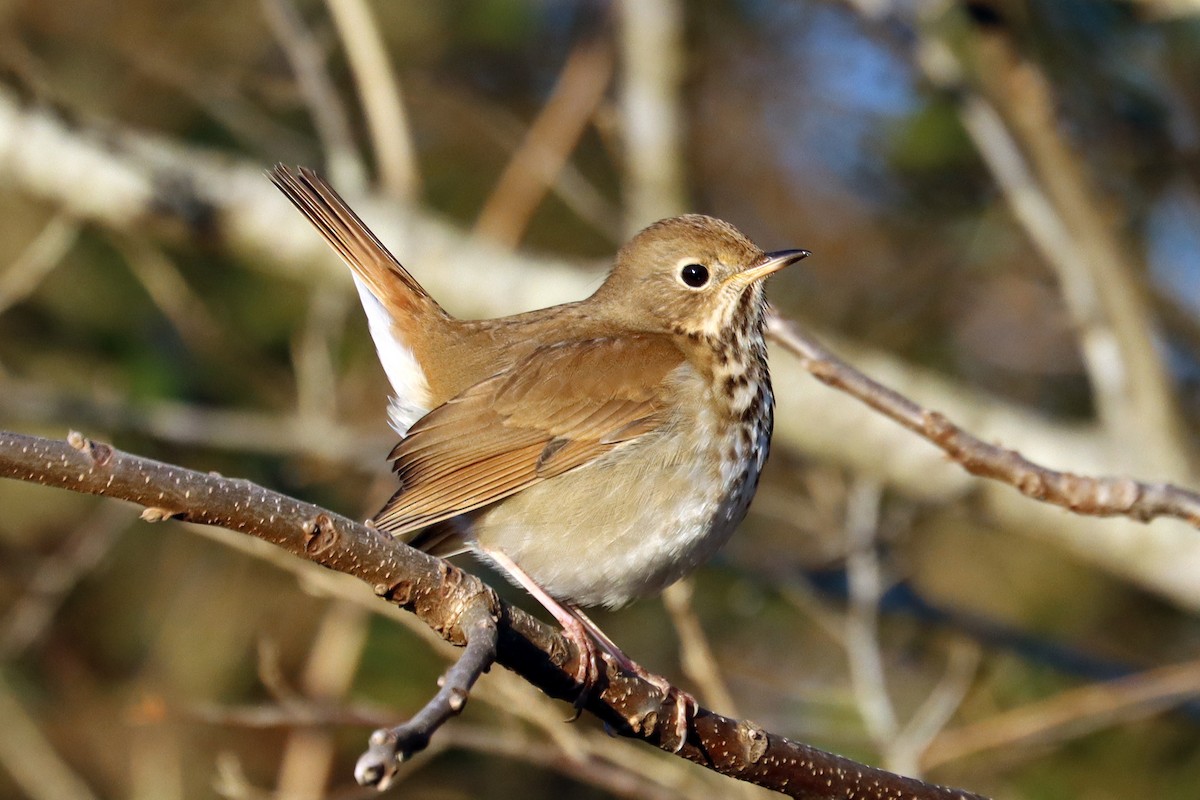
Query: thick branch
440	595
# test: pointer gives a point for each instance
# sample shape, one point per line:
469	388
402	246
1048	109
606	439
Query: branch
390	746
449	601
1083	494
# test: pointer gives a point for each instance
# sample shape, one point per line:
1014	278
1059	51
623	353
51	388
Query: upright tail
397	307
377	269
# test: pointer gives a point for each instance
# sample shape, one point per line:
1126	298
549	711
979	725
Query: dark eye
694	275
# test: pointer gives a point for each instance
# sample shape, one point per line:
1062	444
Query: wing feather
561	408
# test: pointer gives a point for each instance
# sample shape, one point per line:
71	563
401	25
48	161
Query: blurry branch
170	292
312	354
861	638
1011	115
931	717
20	278
548	144
695	654
31	613
1167	9
1071	714
30	760
482	120
900	745
243	431
446	599
333	660
328	114
382	100
501	741
652	57
147	184
221	100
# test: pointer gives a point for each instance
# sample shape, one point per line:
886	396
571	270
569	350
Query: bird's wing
561	408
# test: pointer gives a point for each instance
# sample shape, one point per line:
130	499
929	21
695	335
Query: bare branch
695	653
38	258
390	746
652	57
320	95
548	144
440	595
1083	494
382	100
1071	714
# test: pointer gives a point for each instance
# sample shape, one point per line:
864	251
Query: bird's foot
683	706
591	661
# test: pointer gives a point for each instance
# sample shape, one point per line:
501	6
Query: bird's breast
646	514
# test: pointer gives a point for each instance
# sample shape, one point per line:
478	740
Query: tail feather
372	263
394	302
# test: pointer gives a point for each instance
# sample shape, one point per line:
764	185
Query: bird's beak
775	262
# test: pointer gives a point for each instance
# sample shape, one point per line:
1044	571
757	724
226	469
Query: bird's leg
586	635
580	631
684	705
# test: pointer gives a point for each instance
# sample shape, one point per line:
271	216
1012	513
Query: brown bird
595	451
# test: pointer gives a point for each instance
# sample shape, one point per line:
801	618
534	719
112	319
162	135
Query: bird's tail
373	265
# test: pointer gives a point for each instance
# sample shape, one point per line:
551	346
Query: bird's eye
694	275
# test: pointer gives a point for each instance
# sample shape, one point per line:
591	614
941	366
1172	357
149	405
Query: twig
1008	108
439	593
605	773
391	746
382	100
162	280
223	100
39	257
695	654
30	759
1071	714
324	105
937	708
27	617
238	430
1083	494
312	353
551	138
652	53
332	662
497	126
861	639
598	772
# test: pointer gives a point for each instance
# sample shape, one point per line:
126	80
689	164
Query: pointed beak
775	262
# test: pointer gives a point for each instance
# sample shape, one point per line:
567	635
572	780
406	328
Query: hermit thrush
595	451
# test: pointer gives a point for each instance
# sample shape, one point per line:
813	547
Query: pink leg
576	630
586	634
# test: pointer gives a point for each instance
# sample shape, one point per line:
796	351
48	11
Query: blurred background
1003	199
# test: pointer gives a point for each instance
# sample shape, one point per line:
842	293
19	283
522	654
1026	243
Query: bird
595	451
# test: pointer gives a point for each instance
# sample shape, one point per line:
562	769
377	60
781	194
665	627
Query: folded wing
563	407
